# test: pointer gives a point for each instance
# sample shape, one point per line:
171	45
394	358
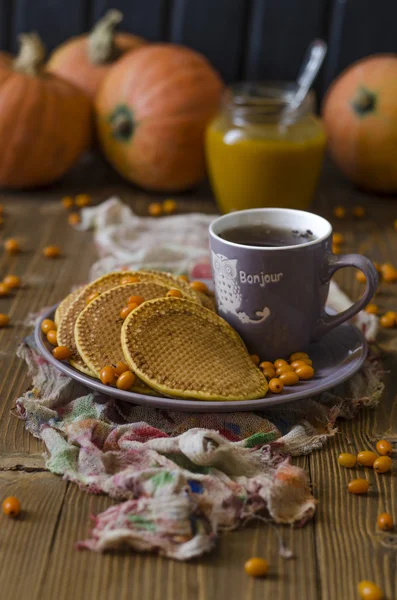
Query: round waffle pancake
181	349
175	282
98	327
64	305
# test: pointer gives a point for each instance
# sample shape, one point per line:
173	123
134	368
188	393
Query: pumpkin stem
101	46
122	123
364	101
31	54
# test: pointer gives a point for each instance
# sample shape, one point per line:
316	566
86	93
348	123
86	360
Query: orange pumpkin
360	116
152	110
45	123
86	59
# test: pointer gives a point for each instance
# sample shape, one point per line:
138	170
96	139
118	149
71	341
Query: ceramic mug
275	296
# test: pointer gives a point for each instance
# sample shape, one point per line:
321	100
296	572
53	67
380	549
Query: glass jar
256	158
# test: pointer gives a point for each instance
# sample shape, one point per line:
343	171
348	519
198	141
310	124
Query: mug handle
336	262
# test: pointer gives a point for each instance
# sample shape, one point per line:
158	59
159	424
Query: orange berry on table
276	386
289	378
74	218
12	246
298	356
269	372
387	321
4	320
266	363
368	590
91	297
174	293
129	279
51	251
255	359
358	212
61	353
11	506
338	238
67	202
83	200
155	209
127	310
107	375
283	369
391	313
4	289
125	381
184	278
169	206
256	567
372	309
279	362
120	368
336	249
377	266
358	486
136	300
347	460
366	458
305	372
385	521
339	212
199	286
389	273
361	277
383	464
12	281
52	337
384	448
47	325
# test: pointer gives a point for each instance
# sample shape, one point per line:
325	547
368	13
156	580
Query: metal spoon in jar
311	64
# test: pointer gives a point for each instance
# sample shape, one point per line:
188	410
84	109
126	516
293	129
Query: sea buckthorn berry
4	320
358	212
269	372
74	218
125	381
11	506
255	359
67	202
279	363
383	464
256	567
127	310
289	378
336	249
61	353
338	238
155	209
51	251
389	273
387	321
47	325
340	212
358	486
174	293
265	364
372	309
169	206
12	246
377	266
384	448
298	356
361	277
184	278
83	200
120	368
305	372
276	386
301	363
136	300
91	297
12	281
347	460
199	286
391	313
107	375
368	590
52	337
385	521
130	279
366	458
284	369
4	289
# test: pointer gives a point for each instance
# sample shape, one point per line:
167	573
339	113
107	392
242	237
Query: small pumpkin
84	60
45	123
152	110
360	117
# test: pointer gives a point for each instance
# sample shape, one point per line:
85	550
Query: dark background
244	39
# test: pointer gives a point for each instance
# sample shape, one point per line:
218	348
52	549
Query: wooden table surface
333	552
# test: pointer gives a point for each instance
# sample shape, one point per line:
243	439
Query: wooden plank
216	29
148	18
27	541
52	19
359	28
